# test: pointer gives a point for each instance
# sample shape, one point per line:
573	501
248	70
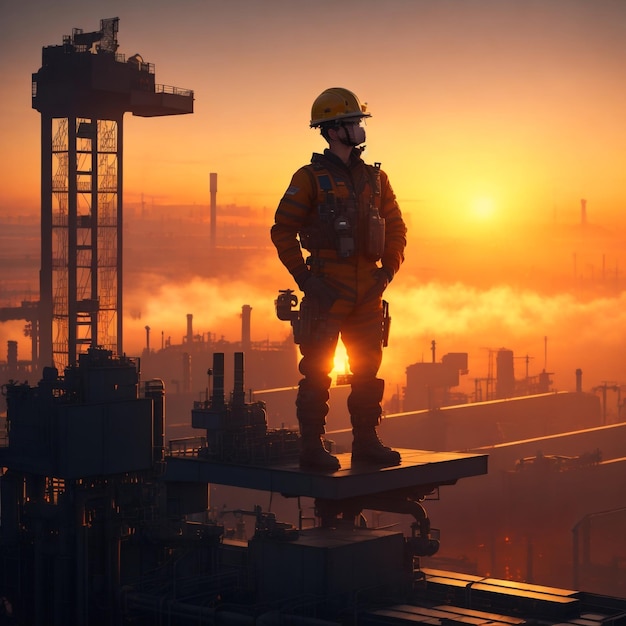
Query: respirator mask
354	133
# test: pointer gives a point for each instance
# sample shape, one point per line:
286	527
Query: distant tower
583	212
82	91
246	312
213	192
505	377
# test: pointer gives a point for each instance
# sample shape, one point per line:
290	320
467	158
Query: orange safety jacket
325	191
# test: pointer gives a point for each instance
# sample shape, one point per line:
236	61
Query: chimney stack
189	328
239	393
217	397
246	311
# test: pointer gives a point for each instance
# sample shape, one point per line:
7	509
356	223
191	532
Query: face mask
354	134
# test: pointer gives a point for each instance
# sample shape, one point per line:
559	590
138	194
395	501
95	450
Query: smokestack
12	357
246	310
189	327
579	380
213	192
239	393
217	397
147	338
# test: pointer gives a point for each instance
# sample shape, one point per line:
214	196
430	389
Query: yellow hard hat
334	104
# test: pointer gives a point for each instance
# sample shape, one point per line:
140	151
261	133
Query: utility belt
309	324
324	261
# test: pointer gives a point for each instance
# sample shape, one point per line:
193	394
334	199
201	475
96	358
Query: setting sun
483	208
341	364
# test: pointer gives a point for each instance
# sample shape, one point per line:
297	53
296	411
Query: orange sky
486	114
515	104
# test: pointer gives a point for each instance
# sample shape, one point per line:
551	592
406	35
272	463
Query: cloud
559	332
215	305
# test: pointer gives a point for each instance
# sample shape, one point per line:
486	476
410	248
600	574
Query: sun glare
483	208
341	366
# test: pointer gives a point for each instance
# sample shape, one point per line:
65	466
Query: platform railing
176	91
187	446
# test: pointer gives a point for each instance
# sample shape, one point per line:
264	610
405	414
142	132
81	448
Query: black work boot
368	449
364	404
311	410
313	454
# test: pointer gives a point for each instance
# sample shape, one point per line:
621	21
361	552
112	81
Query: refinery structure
498	513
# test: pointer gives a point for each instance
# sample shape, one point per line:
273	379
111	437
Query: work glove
316	289
383	278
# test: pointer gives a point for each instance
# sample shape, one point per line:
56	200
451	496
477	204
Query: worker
342	215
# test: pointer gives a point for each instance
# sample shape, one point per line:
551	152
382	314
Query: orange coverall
357	312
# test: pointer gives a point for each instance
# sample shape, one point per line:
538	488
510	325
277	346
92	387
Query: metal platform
419	469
